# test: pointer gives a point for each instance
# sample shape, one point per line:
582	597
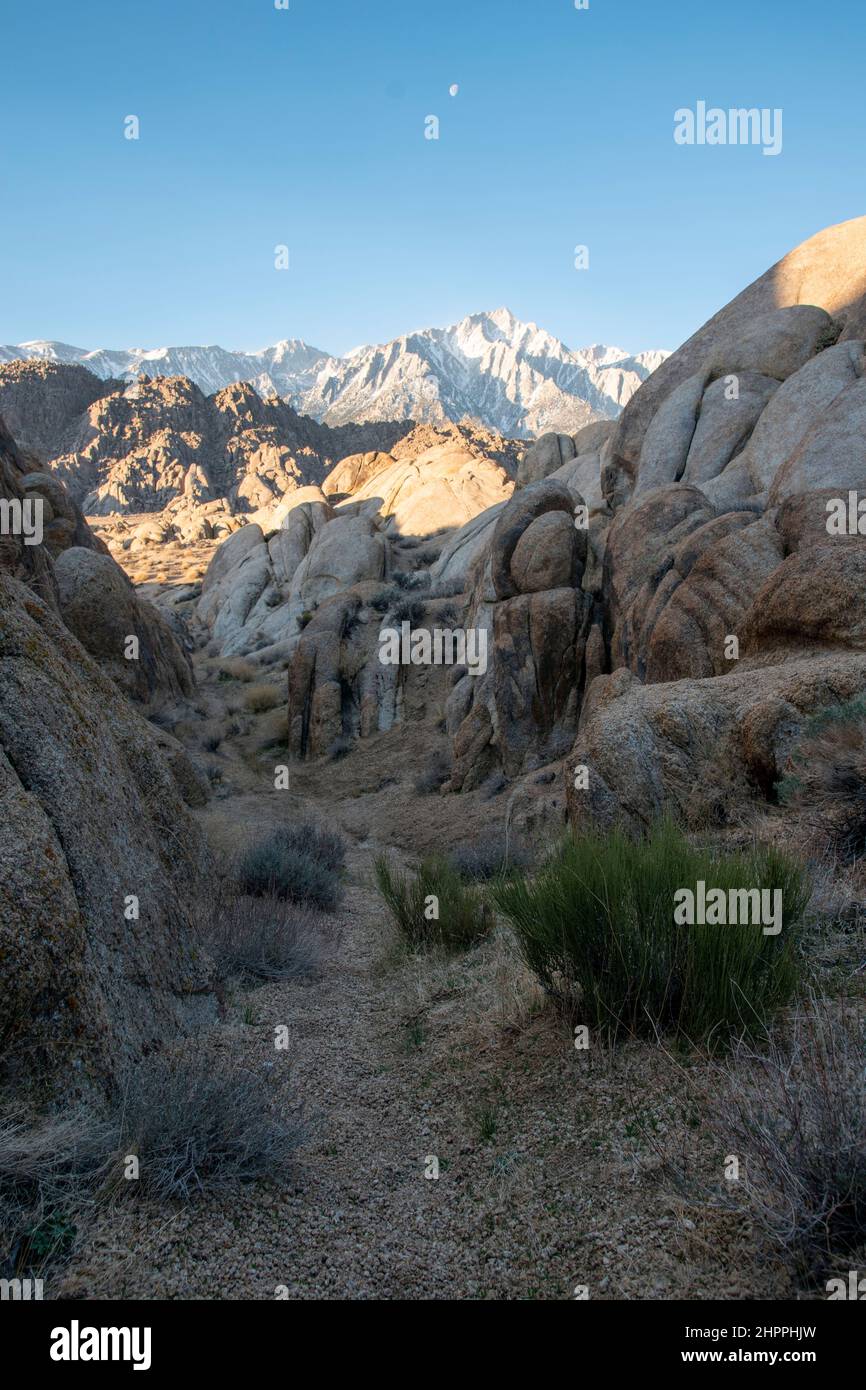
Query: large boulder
100	605
346	551
524	508
699	750
757	332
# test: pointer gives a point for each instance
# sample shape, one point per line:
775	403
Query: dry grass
261	698
795	1113
237	669
261	938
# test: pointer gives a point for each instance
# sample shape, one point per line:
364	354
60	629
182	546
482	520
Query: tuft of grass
300	864
796	1112
234	668
196	1123
827	781
487	1123
50	1170
486	859
434	776
433	907
261	938
597	927
409	610
260	698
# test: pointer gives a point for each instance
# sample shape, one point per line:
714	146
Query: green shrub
463	915
597	927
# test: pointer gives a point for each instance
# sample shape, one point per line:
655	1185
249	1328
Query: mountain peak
511	376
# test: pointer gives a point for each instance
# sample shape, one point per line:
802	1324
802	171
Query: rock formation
93	817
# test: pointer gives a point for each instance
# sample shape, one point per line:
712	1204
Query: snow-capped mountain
512	377
288	368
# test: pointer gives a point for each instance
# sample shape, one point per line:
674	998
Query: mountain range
509	376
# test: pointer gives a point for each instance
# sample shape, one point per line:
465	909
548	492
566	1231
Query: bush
50	1169
797	1114
486	860
236	669
434	776
197	1122
263	697
382	601
409	610
463	915
301	864
597	928
404	579
261	938
828	777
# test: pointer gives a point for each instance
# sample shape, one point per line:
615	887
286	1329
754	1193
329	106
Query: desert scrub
827	781
433	907
409	610
597	927
434	776
796	1113
51	1169
197	1122
236	669
260	698
301	864
260	938
487	859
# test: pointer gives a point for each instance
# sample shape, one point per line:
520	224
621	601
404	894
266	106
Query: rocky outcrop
92	819
731	609
699	750
99	860
825	278
126	635
529	601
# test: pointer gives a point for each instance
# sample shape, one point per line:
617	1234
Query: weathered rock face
41	401
29	563
92	815
756	330
443	487
700	750
719	565
529	601
99	604
551	452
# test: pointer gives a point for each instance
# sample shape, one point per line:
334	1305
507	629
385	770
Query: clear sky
305	127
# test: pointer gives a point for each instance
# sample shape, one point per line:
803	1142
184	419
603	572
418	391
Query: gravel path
547	1179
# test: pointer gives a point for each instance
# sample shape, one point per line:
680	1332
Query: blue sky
305	127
